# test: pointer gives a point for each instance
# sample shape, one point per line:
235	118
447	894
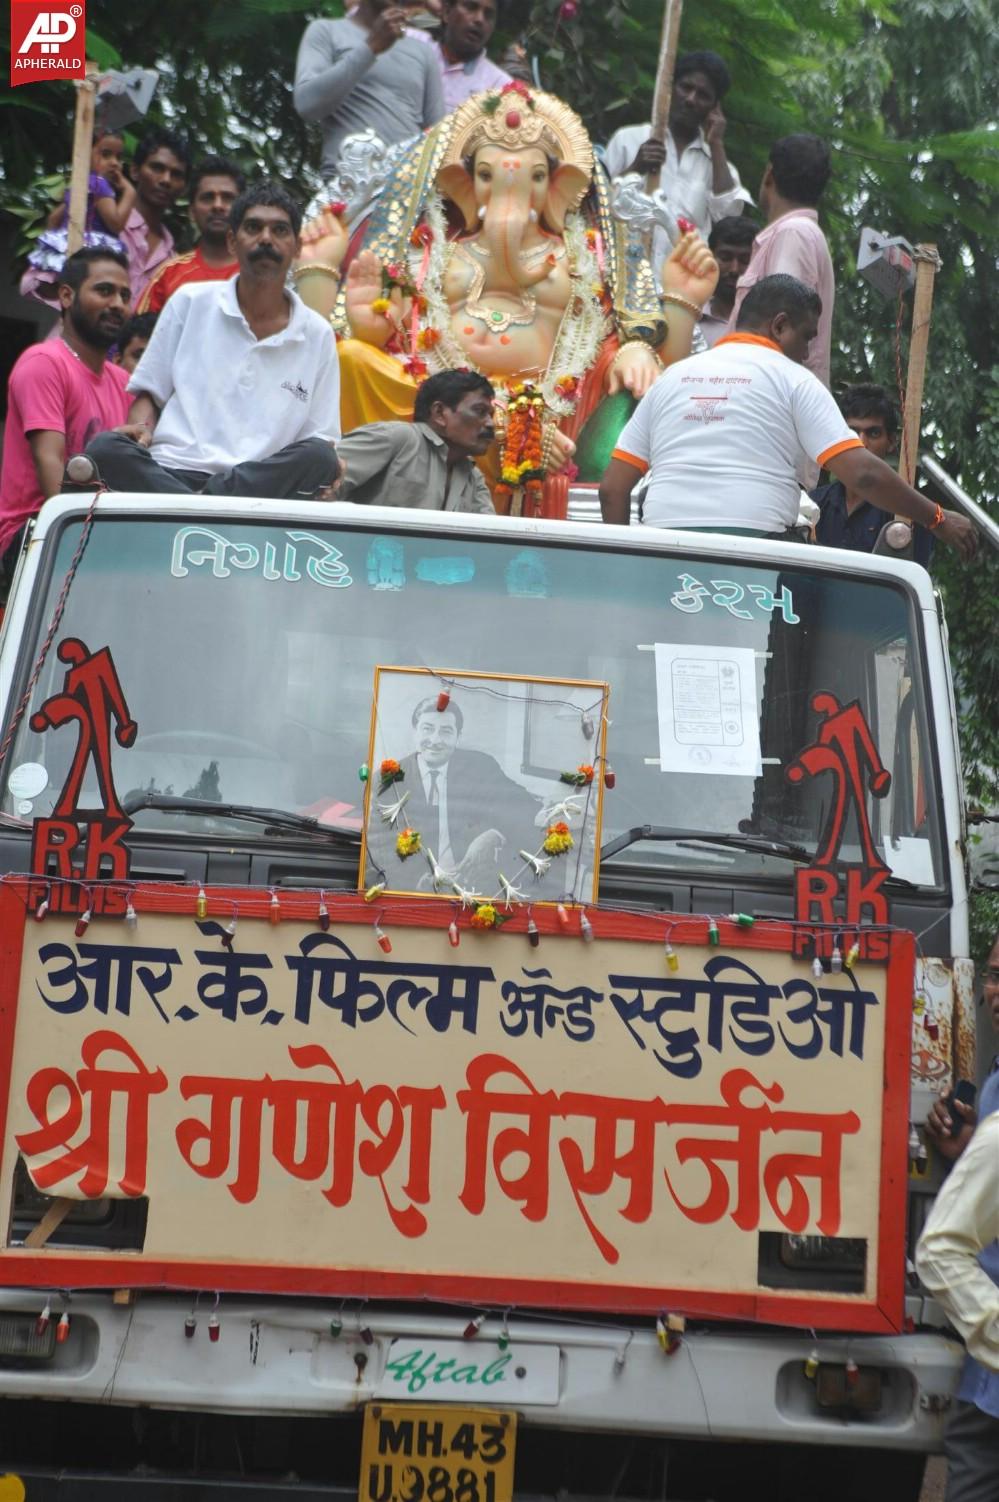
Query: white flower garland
580	333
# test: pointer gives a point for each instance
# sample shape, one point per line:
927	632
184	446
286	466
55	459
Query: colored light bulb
817	969
589	729
274	909
229	933
443	700
43	906
131	916
364	771
367	1336
836	960
190	1325
375	891
662	1334
852	1373
214	1328
672	958
42	1322
714	937
201	906
586	928
852	955
83	923
610	777
473	1327
453	936
62	1328
384	942
533	936
323	916
812	1365
336	1327
744	920
562	915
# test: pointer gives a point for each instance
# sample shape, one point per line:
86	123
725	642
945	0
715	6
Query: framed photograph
483	787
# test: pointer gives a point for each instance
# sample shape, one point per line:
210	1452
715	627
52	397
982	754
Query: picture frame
484	787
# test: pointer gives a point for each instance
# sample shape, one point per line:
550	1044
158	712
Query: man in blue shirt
972	1438
847	520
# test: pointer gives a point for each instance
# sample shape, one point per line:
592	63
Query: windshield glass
247	653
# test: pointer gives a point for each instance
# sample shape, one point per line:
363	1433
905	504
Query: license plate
416	1453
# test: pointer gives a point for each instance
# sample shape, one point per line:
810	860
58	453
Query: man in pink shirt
159	171
792	242
461	51
63	391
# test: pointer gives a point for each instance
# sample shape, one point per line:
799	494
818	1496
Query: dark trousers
295	472
971	1443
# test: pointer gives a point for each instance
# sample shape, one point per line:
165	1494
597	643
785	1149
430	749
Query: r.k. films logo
46	44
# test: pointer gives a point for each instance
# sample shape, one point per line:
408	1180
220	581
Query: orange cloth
177	272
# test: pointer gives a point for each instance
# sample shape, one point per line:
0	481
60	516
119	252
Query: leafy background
905	94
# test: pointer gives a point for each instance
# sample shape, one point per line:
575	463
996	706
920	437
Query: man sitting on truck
724	435
429	462
238	392
62	392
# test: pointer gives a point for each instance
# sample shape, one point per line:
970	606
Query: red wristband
938	518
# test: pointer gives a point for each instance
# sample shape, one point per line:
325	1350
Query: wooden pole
83	143
664	79
927	265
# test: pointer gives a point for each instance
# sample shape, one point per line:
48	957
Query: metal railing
951	493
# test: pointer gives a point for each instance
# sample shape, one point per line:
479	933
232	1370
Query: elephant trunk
503	231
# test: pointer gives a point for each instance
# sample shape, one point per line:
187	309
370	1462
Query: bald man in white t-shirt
722	435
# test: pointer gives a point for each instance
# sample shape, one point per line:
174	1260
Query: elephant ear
565	191
456	183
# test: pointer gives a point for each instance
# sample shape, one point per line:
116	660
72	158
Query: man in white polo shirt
722	435
238	392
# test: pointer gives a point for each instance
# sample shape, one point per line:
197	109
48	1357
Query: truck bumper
275	1358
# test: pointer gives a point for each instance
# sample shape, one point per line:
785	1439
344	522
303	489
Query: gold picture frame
499	780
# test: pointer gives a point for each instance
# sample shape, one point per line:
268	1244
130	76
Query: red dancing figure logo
845	748
92	696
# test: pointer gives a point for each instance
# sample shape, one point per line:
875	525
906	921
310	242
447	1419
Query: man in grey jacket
363	72
428	462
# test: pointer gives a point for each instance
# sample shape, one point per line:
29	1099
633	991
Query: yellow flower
408	842
381	305
558	839
485	916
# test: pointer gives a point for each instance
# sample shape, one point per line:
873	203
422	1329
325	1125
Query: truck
586	1161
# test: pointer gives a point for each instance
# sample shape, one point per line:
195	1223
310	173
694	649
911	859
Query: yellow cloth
373	386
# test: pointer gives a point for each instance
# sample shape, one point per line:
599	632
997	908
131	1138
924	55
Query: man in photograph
469	814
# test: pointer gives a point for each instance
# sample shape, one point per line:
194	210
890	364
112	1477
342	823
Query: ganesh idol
491	245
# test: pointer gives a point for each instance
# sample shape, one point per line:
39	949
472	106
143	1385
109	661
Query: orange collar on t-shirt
748	339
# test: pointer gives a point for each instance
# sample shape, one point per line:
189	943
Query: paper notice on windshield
708	718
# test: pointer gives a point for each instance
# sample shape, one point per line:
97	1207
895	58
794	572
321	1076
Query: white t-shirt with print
723	435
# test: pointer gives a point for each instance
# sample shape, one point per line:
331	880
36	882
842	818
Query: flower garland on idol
529	410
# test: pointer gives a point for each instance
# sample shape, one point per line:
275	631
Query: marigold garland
523	461
408	842
389	771
487	916
381	305
582	776
558	839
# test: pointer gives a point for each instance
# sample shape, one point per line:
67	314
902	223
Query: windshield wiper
276	820
754	844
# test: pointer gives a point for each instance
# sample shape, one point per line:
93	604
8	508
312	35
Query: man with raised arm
723	435
363	72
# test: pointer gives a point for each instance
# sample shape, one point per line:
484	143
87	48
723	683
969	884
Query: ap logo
46	44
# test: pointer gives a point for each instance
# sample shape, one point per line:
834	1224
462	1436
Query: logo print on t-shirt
297	390
704	409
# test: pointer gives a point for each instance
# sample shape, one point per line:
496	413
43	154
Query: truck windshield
247	654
